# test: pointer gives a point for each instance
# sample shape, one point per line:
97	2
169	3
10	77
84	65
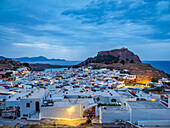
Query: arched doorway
37	106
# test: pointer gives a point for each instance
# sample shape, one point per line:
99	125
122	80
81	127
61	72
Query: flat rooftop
124	94
37	93
146	104
112	109
106	93
70	102
17	95
64	104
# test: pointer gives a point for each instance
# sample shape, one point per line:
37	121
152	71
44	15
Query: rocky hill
122	55
10	64
125	59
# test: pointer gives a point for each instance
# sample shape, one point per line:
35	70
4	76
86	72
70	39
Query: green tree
27	65
8	74
132	61
88	121
122	62
155	79
75	66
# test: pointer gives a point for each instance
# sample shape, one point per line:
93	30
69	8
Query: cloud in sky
75	30
38	45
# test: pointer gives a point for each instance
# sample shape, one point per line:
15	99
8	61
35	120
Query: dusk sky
77	29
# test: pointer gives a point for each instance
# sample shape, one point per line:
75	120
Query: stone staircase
34	116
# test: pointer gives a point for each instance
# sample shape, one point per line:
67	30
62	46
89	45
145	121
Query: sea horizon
161	65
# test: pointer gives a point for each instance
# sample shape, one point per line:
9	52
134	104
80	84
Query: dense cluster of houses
68	94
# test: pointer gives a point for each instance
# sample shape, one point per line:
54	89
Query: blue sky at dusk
77	29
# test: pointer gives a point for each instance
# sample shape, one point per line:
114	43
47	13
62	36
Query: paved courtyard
43	121
64	122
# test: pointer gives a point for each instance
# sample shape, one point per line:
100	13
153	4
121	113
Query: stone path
64	122
13	122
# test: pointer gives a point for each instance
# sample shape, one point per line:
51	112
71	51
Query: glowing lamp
70	109
153	100
36	82
119	103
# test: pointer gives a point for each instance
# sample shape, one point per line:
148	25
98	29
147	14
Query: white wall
110	117
154	123
73	112
149	114
28	110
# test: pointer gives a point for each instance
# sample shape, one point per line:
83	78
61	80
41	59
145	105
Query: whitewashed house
31	103
147	111
64	109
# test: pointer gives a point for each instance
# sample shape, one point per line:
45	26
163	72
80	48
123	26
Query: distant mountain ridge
4	58
39	58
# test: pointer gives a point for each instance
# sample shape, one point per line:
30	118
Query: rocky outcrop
122	55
